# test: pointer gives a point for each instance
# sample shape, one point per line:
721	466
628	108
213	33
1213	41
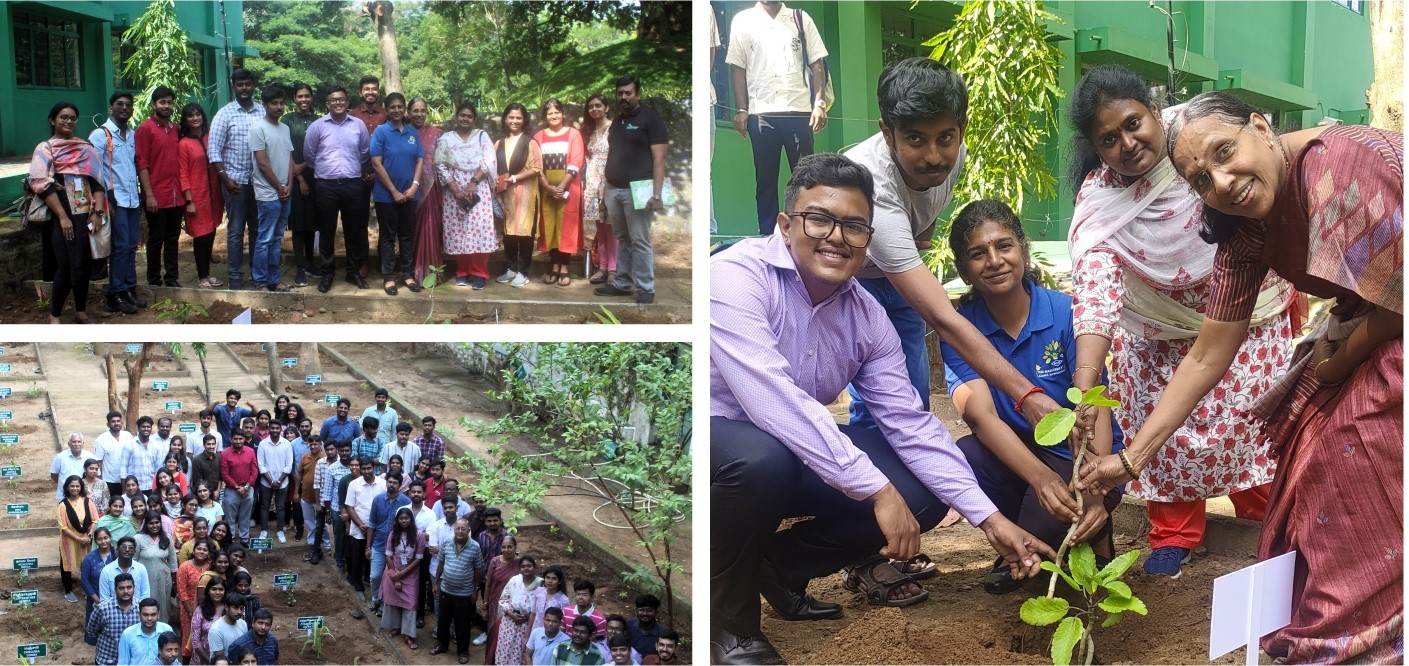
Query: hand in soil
897	523
1021	551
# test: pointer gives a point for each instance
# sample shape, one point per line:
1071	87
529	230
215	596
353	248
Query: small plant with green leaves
1101	590
23	578
180	311
33	389
315	640
431	282
606	316
289	595
570	548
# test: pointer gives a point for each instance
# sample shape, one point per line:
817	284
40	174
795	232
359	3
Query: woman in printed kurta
516	612
595	124
464	166
1322	208
204	203
64	171
209	611
429	250
157	552
498	572
520	163
77	518
1141	277
548	595
116	523
560	197
404	549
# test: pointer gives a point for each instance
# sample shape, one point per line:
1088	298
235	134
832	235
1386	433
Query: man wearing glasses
117	144
336	146
789	328
915	160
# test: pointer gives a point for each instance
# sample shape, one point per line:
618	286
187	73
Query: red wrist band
1019	404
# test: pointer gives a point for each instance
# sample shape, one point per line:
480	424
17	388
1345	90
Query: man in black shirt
637	143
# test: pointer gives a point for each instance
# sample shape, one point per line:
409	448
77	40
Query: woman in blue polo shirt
397	157
1032	326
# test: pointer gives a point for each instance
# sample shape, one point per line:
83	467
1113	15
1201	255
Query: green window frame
47	51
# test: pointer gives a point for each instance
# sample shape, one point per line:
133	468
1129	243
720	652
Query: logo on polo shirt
1052	360
411	139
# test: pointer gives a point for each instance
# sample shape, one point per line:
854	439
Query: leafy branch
164	56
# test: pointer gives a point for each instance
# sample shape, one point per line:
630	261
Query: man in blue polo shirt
229	415
338	427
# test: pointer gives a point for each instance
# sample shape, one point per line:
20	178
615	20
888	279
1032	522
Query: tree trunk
114	405
308	356
663	21
496	20
381	13
135	368
1386	93
276	368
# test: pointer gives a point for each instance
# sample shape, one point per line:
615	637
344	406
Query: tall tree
164	56
276	368
320	43
381	12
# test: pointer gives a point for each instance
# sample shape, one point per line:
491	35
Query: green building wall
24	109
1304	62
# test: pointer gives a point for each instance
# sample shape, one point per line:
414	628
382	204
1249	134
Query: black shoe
390	291
415	287
314	273
171	282
611	290
729	648
117	302
326	284
153	282
136	300
301	278
645	297
795	604
1000	580
356	279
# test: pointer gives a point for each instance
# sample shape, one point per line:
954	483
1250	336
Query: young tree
164	56
135	366
578	402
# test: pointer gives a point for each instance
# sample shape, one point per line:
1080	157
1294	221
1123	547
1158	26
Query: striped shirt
432	448
460	566
146	459
372	448
776	360
329	483
107	623
230	141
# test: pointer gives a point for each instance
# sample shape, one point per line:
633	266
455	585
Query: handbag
100	240
35	210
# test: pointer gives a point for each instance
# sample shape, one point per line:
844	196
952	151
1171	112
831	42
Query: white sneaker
481	639
281	536
507	276
519	281
264	534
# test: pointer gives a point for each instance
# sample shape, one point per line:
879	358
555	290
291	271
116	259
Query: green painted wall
1314	51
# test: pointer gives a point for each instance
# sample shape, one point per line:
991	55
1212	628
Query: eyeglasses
337	100
821	225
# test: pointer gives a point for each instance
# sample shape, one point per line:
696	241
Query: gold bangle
1125	461
1092	368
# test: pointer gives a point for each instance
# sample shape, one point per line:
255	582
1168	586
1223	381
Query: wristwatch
513	179
742	110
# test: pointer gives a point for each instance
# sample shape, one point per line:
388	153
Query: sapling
315	640
1102	589
23	578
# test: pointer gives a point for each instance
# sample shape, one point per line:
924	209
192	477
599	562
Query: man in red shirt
238	469
373	114
158	169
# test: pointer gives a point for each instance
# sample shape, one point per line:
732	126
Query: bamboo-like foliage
164	56
1010	69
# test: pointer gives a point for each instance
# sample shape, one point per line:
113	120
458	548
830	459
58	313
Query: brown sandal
918	567
862	580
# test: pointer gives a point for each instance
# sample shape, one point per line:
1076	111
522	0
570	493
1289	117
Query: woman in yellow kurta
77	518
520	165
560	228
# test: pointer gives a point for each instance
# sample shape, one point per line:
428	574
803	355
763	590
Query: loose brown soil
960	623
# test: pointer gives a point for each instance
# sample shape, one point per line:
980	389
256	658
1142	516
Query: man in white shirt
147	454
780	101
404	447
360	494
163	434
229	628
68	463
387	420
276	462
112	449
195	444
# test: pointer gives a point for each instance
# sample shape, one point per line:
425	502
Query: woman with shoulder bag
64	171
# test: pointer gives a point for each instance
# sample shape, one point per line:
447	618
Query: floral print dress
467	230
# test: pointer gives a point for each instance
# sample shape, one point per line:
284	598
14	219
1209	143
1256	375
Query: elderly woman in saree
1141	280
1324	209
464	166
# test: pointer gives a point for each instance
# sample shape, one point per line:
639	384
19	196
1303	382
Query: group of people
278	167
157	527
1198	231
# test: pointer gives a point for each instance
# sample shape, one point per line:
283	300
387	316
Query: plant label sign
261	545
6	391
11	438
160	385
290	362
2	351
10	472
173	405
186	428
1249	604
134	349
32	650
5	368
24	597
310	623
313	379
17	509
7	415
284	581
24	563
332	398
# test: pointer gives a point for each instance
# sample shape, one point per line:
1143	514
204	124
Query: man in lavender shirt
790	328
336	146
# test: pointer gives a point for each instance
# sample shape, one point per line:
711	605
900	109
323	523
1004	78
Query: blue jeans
911	329
122	274
239	209
378	566
273	219
635	260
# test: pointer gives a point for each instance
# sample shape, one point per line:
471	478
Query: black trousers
424	599
203	246
458	610
345	196
72	258
518	252
358	566
304	223
756	482
1016	500
163	239
396	225
788	133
